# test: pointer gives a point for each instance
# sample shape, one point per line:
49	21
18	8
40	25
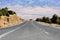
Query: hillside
8	18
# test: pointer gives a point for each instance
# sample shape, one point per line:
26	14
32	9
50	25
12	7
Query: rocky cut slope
8	17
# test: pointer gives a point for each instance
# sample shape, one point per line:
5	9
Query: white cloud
30	1
33	10
19	9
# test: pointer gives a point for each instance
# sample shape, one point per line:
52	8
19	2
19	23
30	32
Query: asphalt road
30	30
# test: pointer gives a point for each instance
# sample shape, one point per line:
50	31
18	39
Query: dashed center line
41	29
46	32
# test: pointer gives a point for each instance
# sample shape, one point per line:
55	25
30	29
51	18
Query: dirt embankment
7	21
47	24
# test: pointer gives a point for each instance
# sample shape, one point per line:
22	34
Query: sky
32	8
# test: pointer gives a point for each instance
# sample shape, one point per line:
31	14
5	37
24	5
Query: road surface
30	30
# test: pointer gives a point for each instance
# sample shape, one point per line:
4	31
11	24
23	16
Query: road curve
31	30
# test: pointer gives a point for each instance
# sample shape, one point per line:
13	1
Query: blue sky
32	8
50	3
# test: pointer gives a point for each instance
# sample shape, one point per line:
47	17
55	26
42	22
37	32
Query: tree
4	11
14	12
7	15
6	8
11	12
38	19
54	18
46	19
58	20
0	14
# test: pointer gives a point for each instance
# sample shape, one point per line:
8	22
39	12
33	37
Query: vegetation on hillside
6	12
8	17
55	19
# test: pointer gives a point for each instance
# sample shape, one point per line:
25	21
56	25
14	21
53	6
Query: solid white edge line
3	35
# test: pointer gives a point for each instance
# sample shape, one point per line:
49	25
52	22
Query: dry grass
47	24
13	19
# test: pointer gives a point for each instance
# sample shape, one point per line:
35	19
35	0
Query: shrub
54	18
58	20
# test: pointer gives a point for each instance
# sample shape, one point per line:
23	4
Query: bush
38	19
6	12
58	20
11	12
54	18
46	19
0	14
7	15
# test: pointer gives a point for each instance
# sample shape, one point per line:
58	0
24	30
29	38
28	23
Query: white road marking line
3	35
41	29
36	27
46	32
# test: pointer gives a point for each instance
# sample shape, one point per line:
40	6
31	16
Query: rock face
7	21
8	18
